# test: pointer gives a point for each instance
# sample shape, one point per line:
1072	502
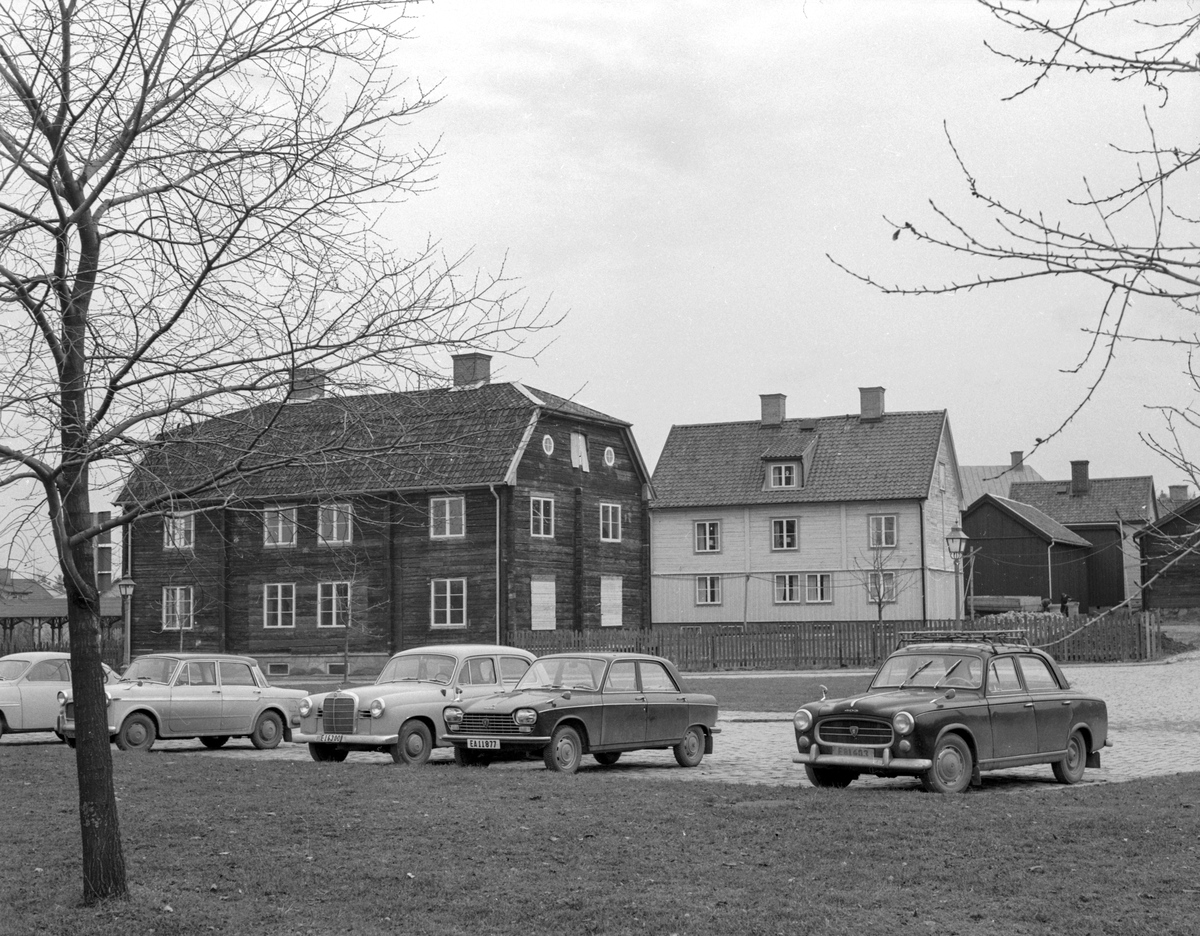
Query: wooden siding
1179	585
942	512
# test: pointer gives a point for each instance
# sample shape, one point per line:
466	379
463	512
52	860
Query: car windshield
150	669
563	673
11	669
929	671
429	667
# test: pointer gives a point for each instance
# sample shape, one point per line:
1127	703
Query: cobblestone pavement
1154	727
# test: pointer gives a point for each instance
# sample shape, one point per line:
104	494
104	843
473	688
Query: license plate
844	751
331	739
487	744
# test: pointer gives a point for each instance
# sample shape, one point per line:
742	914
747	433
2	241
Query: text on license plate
488	744
331	739
841	750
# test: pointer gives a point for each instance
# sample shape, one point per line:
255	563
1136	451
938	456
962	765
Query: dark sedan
945	707
602	704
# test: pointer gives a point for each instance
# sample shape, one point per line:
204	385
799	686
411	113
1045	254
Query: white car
30	688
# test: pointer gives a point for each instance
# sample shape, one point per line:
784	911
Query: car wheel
414	745
836	777
70	742
268	732
607	758
136	733
212	742
952	767
326	752
58	734
1070	768
565	750
690	749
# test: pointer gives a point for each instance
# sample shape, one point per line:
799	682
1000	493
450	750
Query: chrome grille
865	731
488	724
339	714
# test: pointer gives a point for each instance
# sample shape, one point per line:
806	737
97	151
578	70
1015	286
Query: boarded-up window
610	601
541	603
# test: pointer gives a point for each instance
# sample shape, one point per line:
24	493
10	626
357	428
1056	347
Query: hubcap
950	766
414	745
566	752
136	734
267	730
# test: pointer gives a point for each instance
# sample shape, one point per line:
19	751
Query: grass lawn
227	846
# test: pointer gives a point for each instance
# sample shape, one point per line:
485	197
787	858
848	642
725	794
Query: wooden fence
848	644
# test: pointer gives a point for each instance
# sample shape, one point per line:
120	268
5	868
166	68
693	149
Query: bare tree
883	578
190	195
1136	241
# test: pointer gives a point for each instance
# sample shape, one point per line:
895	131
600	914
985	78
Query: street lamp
956	542
125	586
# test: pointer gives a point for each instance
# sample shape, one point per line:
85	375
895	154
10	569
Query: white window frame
338	520
179	531
780	474
441	599
442	527
818	588
708	536
787	588
878	532
333	604
579	454
708	590
610	523
779	534
280	593
173	618
888	579
277	521
541	526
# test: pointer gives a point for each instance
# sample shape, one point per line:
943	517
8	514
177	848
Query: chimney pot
774	408
308	383
871	403
472	367
1079	478
1017	458
1179	492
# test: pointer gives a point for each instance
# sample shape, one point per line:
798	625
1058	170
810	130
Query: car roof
36	656
465	649
167	654
604	655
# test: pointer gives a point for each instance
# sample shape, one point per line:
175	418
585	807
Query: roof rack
1019	637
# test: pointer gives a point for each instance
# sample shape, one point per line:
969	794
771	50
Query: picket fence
849	644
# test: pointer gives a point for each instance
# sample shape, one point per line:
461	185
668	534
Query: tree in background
190	193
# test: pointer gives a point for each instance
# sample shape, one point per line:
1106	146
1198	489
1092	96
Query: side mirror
950	693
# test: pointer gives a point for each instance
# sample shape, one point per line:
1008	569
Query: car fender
964	731
146	710
573	720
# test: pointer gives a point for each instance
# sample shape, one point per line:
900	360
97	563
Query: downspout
924	570
492	488
1050	573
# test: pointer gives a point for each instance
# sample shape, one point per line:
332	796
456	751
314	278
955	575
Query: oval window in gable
547	445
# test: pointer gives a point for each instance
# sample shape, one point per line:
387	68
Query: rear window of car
236	674
1038	677
513	668
655	678
1002	675
479	671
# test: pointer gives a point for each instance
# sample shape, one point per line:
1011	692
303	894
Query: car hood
888	703
414	693
526	698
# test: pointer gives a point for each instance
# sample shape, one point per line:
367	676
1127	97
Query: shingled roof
978	480
1107	500
429	439
1046	527
719	464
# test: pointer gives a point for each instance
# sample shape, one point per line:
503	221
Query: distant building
978	480
1171	558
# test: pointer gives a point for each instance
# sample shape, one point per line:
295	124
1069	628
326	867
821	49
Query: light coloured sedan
401	714
31	689
210	696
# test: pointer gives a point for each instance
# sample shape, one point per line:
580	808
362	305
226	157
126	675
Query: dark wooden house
334	529
1171	559
1017	550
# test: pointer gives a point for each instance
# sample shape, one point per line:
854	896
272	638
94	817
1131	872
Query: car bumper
67	728
814	758
346	740
497	742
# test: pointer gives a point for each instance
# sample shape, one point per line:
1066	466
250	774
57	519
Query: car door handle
1067	701
1028	705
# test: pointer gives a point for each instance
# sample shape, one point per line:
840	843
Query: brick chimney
1079	478
308	383
774	408
472	367
1017	458
1179	493
871	401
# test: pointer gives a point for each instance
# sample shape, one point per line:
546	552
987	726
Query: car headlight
107	699
525	716
306	707
903	723
377	707
802	720
453	718
62	697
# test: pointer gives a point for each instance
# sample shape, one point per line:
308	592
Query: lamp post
956	542
125	586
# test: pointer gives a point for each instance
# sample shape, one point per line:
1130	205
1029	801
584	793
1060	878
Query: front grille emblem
854	731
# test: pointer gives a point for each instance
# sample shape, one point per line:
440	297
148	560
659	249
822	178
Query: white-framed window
818	588
179	531
708	536
787	588
610	523
548	444
448	602
177	607
279	526
543	607
784	475
708	589
882	529
541	517
785	533
611	597
579	456
333	604
279	605
881	584
335	524
610	457
447	517
941	476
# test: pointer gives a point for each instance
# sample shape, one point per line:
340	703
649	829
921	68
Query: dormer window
784	475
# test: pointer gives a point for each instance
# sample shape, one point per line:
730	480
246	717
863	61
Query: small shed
1170	551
